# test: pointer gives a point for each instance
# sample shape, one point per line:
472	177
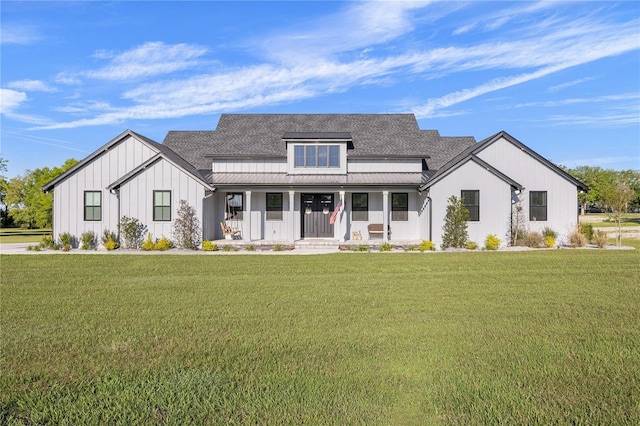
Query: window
400	207
274	206
316	156
538	205
359	207
235	206
471	200
92	205
162	206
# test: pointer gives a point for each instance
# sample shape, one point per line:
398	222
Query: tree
617	196
455	224
28	206
4	216
186	227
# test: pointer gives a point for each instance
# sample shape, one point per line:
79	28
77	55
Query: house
291	177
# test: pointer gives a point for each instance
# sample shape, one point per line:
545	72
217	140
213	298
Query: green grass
544	337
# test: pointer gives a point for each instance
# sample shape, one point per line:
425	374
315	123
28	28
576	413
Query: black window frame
469	196
308	156
359	209
273	206
234	212
400	208
161	212
92	207
538	206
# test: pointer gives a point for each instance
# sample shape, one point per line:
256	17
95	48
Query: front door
316	211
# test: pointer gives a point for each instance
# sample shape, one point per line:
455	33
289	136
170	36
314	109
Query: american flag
334	216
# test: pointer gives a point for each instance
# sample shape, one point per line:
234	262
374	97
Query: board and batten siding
136	195
269	165
68	196
562	200
494	202
384	165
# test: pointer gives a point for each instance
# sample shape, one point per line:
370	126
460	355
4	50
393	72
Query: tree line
23	204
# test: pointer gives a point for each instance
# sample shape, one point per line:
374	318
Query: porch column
247	233
292	218
385	215
339	222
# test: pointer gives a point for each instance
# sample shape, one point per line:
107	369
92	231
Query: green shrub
385	247
163	244
549	241
455	224
88	241
427	246
148	243
600	239
586	229
186	227
471	245
229	248
132	232
548	232
251	247
278	247
361	247
411	248
48	242
577	238
209	246
66	240
108	235
111	244
492	242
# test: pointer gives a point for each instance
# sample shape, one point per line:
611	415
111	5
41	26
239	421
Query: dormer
315	153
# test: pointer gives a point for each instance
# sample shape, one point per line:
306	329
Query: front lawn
540	337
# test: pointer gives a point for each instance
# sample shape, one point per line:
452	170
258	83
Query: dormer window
317	156
317	152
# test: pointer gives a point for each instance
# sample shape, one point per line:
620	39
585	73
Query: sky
561	77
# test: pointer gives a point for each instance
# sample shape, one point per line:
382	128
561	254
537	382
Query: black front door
316	211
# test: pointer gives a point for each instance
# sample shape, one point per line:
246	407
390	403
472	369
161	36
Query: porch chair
230	233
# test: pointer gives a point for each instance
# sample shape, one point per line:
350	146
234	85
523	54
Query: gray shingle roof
258	135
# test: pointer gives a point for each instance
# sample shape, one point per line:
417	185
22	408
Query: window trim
473	209
397	210
92	206
161	206
539	207
364	210
276	211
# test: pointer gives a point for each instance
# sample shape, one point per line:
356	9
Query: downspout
430	217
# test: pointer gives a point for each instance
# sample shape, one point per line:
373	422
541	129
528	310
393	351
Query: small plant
577	238
586	229
533	240
209	246
471	245
88	241
163	244
48	242
132	232
427	246
251	247
111	244
108	235
385	247
361	247
492	242
411	248
229	248
600	239
66	241
148	243
548	232
278	247
549	241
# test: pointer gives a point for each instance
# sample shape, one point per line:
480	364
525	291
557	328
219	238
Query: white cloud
10	100
31	86
149	59
18	34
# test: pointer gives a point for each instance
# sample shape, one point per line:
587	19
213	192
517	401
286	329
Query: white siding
495	202
384	166
68	198
271	165
562	203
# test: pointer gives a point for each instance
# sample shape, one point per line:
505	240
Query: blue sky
562	77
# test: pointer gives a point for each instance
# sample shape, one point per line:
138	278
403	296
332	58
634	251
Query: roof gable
462	160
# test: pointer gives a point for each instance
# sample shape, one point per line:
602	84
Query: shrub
549	241
48	242
385	247
410	248
229	248
163	244
186	227
533	239
111	244
492	242
108	235
66	241
548	232
88	241
427	246
209	246
600	239
471	245
455	224
577	238
148	243
132	232
278	247
251	247
361	247
586	229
